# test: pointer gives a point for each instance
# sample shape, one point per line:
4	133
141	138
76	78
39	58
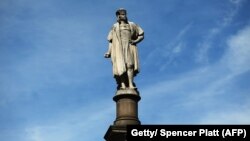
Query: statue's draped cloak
119	57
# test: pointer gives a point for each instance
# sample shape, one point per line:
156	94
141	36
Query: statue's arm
139	39
140	35
108	53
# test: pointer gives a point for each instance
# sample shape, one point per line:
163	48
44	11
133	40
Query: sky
55	83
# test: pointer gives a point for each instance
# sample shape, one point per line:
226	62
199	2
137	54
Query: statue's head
121	15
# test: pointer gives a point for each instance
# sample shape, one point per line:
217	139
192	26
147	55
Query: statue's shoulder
115	25
136	27
132	23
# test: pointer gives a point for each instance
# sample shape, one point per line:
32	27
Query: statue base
126	114
116	133
127	107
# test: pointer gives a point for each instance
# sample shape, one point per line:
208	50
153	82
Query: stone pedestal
126	114
116	133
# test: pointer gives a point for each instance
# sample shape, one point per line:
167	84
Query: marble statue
123	38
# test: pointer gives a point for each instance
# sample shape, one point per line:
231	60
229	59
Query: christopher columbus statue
123	38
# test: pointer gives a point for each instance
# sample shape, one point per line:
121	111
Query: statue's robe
119	57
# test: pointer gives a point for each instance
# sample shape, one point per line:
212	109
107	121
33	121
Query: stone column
126	114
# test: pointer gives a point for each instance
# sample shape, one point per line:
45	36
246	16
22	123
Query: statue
122	50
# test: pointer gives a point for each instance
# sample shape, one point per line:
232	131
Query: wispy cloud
178	43
46	52
233	115
171	50
206	44
237	2
199	90
238	55
72	125
86	123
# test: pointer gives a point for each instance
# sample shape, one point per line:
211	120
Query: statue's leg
123	85
122	81
130	73
118	82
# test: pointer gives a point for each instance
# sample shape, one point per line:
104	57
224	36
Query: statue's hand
107	55
132	42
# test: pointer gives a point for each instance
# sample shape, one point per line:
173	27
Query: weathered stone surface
123	39
127	91
126	107
116	133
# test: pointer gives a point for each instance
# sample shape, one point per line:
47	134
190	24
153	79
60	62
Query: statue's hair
120	10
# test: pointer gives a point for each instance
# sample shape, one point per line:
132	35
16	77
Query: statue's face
122	16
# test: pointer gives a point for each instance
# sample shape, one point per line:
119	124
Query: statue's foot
123	87
132	87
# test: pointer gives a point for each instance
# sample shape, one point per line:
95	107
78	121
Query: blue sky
55	83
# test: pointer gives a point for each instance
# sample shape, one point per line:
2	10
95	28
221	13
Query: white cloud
238	55
172	48
183	32
199	89
88	123
206	44
34	134
177	44
198	92
227	19
237	2
201	56
56	52
232	115
178	48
